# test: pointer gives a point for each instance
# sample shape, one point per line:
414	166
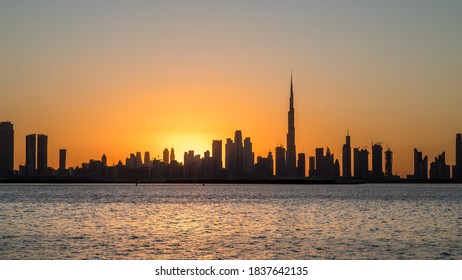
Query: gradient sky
117	77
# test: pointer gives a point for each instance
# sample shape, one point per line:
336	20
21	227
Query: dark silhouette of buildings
346	157
420	166
312	167
139	160
377	160
230	158
249	159
147	158
166	156
457	168
280	162
6	149
172	155
326	166
62	159
31	152
439	170
264	167
361	163
388	163
217	153
42	154
104	160
238	155
290	167
301	169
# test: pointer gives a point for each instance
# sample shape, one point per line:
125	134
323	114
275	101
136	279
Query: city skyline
115	78
239	161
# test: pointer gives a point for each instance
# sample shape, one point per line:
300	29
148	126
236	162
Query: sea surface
110	221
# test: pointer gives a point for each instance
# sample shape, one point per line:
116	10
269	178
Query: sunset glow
114	77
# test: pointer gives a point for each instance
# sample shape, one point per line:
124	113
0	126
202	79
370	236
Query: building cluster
236	163
439	169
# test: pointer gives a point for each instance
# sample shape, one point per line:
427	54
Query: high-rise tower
346	157
457	168
31	154
291	168
6	149
42	154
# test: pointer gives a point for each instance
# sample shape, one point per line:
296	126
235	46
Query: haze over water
230	221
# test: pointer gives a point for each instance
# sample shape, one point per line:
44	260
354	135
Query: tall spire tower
291	170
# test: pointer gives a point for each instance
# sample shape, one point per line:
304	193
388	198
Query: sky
117	77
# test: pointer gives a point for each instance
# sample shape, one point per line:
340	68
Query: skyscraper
249	158
420	166
301	170
42	154
6	149
291	170
377	162
166	156
312	167
172	155
389	163
229	158
139	160
439	170
217	153
280	162
238	154
361	163
62	159
346	158
147	158
457	169
31	151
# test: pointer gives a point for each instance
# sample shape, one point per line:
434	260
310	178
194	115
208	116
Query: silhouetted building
166	156
230	158
264	167
312	167
147	159
388	163
192	166
420	166
249	159
217	153
139	159
301	169
457	168
377	162
361	163
291	169
319	153
439	170
42	154
131	162
104	160
280	162
238	154
172	154
326	166
31	152
6	149
346	157
62	159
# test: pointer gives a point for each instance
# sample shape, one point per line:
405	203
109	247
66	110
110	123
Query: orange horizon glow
117	78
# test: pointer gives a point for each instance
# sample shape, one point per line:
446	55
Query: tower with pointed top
291	168
346	157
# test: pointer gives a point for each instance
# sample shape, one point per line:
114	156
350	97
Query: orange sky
139	77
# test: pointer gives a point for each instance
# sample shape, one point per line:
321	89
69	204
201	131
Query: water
230	221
